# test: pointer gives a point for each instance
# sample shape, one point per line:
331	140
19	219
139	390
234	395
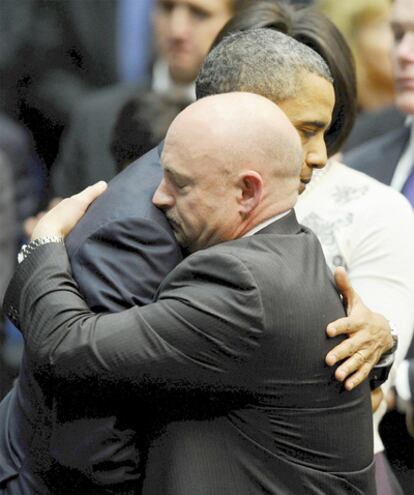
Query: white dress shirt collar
163	84
266	223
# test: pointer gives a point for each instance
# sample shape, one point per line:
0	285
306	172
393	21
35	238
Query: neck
265	214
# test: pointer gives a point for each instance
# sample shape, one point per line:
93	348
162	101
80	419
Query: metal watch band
27	249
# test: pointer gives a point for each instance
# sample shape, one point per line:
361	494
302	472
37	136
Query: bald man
229	354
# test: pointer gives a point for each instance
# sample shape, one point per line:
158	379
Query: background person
184	31
389	159
365	25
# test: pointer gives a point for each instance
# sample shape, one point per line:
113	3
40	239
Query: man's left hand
369	336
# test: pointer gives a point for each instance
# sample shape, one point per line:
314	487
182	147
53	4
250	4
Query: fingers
377	396
343	284
53	202
343	326
89	194
60	220
345	349
358	377
357	367
29	225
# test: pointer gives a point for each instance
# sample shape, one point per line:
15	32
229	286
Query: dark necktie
408	189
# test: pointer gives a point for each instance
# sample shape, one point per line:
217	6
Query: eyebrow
315	123
174	174
401	23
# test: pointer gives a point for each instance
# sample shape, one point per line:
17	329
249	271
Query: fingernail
332	331
331	359
350	385
340	375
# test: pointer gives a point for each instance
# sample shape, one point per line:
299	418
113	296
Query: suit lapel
389	153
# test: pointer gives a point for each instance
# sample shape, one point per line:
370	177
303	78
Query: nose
179	22
405	47
162	198
317	157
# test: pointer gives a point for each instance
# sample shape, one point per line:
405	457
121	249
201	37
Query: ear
251	187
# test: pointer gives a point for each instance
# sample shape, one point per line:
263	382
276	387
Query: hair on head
311	28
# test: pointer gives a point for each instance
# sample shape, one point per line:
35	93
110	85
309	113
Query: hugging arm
182	339
382	273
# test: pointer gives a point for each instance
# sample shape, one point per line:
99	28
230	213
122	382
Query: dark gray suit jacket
120	251
379	157
231	354
373	124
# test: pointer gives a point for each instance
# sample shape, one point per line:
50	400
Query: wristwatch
394	335
379	373
27	249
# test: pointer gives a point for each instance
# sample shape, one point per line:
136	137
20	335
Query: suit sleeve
123	263
200	335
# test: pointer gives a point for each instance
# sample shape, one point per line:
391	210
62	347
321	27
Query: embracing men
216	402
248	405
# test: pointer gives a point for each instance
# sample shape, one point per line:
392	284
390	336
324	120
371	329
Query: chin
182	74
302	188
405	102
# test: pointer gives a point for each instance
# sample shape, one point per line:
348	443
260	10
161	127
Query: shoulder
220	267
372	150
127	203
218	283
106	100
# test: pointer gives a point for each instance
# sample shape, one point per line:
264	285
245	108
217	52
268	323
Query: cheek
160	31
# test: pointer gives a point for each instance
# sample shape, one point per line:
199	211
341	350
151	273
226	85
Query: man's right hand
60	221
31	222
369	336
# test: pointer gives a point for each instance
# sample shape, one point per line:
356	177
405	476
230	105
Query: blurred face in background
374	40
402	23
184	31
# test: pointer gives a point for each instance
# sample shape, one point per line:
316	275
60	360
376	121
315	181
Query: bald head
239	129
230	162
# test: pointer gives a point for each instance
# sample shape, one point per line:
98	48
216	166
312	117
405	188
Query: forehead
314	101
189	156
211	7
403	12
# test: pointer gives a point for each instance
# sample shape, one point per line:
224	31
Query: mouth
405	82
304	181
173	223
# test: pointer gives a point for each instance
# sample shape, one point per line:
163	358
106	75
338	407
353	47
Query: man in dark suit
220	344
389	158
106	440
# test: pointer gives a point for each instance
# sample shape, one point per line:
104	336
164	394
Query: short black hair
310	27
141	124
262	61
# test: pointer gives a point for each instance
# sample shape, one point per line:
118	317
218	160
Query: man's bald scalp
245	128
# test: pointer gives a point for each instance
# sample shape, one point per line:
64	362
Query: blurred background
88	86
